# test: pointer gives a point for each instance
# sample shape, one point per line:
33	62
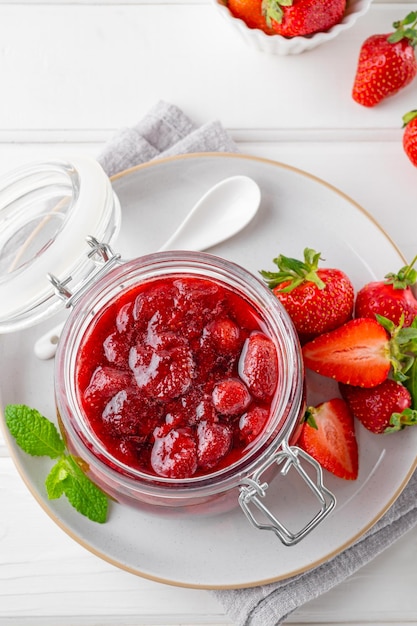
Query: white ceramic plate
297	210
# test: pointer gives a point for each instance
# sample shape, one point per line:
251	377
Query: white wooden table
72	73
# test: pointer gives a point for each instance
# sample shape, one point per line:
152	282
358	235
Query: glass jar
70	206
243	481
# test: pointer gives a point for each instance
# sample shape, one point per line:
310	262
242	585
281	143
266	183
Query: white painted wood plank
57	58
45	574
49	580
102	67
377	175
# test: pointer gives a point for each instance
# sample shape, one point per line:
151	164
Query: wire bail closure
102	256
253	491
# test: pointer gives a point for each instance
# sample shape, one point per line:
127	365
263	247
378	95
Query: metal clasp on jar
253	492
103	257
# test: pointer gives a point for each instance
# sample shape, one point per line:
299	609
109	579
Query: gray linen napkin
269	605
166	131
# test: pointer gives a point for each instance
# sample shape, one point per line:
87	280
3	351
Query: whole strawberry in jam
392	298
382	409
293	18
387	63
317	299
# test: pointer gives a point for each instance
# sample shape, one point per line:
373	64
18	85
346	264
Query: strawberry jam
176	376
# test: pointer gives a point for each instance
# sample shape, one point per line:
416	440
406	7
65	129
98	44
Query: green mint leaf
54	482
38	436
35	434
82	494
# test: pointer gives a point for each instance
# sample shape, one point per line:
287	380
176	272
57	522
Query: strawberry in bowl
290	26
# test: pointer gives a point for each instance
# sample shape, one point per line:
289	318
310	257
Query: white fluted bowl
277	44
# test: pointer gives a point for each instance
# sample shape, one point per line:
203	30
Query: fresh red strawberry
382	409
292	18
387	63
328	435
362	352
251	12
410	136
391	298
317	300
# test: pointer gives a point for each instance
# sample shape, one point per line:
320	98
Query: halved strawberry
328	435
363	352
383	409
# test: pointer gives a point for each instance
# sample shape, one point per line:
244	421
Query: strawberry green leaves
273	11
295	272
403	346
405	29
411	382
37	436
405	277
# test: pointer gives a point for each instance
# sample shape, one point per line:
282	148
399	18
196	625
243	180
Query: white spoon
222	212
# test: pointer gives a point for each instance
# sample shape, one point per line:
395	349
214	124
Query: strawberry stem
309	417
405	29
406	277
411	115
411	382
294	272
272	10
398	421
402	346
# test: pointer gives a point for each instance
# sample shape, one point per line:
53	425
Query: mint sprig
38	436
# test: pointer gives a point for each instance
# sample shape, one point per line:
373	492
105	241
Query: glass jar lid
47	212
